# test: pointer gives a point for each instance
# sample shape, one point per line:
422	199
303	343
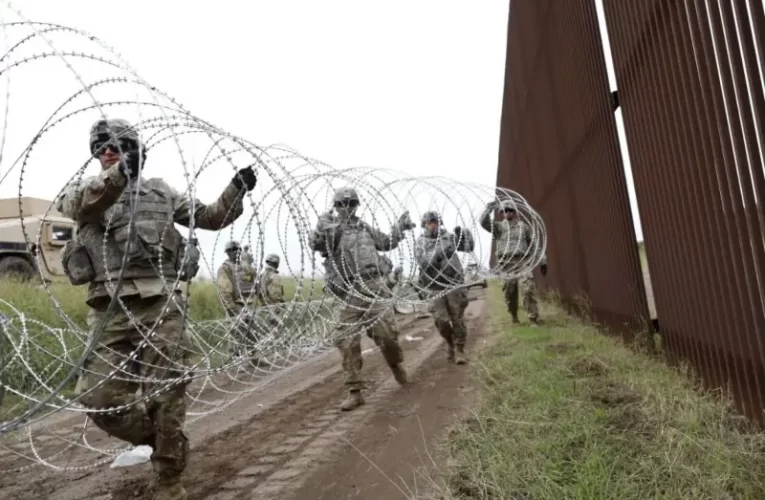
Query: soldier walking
147	241
513	242
441	270
355	277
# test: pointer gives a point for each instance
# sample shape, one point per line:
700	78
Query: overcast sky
410	86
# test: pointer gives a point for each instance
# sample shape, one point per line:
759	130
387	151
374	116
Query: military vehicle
41	257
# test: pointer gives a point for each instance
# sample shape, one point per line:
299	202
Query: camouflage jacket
100	206
437	258
235	285
271	290
513	239
352	248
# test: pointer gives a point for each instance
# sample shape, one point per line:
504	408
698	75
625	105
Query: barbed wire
223	356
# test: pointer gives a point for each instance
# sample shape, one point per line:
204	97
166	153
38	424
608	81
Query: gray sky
410	86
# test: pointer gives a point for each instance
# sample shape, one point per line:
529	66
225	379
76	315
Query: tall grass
49	346
569	413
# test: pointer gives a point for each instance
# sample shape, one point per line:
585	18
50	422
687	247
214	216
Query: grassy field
568	413
49	354
35	302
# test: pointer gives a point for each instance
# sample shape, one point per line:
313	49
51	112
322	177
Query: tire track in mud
322	436
258	440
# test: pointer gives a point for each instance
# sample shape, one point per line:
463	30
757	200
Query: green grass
642	255
51	355
569	413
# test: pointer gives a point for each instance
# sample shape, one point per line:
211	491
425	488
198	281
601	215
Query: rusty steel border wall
691	92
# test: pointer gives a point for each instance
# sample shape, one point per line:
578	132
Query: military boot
170	490
516	321
399	374
450	354
534	322
353	401
460	358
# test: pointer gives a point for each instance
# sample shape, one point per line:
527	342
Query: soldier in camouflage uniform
270	285
246	258
513	240
270	288
235	281
149	295
355	276
441	269
237	289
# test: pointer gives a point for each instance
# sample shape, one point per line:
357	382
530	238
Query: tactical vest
154	242
265	277
451	274
511	241
353	255
242	280
356	254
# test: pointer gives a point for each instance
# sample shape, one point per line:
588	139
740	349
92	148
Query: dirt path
288	440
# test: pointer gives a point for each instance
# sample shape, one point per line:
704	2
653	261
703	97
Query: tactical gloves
131	163
245	177
405	222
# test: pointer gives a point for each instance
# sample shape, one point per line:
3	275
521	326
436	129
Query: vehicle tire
16	267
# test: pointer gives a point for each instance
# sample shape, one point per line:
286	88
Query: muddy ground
288	439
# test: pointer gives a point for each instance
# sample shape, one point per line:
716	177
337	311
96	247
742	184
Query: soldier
513	241
236	287
122	217
441	269
247	262
270	288
235	282
354	276
246	257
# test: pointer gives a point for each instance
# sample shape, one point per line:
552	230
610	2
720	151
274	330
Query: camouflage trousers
449	315
360	314
244	337
108	379
528	289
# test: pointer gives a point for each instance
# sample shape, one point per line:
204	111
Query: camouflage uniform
236	287
235	281
247	259
100	206
355	276
513	241
392	276
270	288
441	269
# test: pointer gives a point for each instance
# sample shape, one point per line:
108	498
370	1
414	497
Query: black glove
543	269
130	164
458	233
245	177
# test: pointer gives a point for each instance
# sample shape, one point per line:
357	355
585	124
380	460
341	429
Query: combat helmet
430	216
117	131
508	205
232	246
346	195
272	260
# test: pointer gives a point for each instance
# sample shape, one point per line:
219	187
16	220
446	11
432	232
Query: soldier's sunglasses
509	210
106	142
347	203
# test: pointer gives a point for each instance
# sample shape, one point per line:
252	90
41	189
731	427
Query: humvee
24	260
